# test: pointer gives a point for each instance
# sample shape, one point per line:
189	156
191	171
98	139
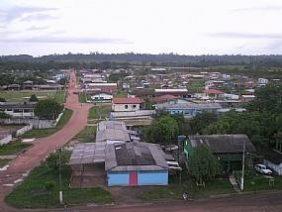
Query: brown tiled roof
164	98
127	100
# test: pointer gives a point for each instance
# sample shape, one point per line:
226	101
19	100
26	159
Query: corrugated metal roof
223	143
134	156
88	153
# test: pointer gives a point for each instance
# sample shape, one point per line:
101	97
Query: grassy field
96	112
39	133
20	96
41	188
175	190
13	147
255	181
88	134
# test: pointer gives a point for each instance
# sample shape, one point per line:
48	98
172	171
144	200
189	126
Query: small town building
163	98
126	104
18	109
188	109
178	92
213	93
102	97
118	164
114	132
135	164
227	148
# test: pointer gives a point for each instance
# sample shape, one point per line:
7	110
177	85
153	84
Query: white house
18	109
126	104
102	97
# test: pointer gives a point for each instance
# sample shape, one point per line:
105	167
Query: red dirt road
44	146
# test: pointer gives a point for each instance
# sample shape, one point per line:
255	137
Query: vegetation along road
44	146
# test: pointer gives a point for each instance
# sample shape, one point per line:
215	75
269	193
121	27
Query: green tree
203	165
33	98
164	130
201	121
48	109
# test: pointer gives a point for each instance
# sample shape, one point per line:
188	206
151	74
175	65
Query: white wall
122	107
6	139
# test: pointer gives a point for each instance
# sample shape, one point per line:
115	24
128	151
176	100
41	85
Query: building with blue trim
135	164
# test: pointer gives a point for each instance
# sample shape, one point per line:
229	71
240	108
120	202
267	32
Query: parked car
262	169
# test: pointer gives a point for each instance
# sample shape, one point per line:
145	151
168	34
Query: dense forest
151	59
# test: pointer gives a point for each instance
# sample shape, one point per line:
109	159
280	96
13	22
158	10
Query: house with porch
18	109
227	148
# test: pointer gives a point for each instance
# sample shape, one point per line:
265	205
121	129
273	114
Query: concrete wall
6	139
118	178
153	178
36	123
122	107
24	130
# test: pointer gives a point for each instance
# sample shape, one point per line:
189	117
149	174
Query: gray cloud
61	39
246	35
18	12
258	9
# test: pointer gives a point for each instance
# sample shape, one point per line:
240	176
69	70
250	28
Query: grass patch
13	147
60	96
41	188
21	96
174	191
88	134
39	133
255	181
99	111
4	162
82	97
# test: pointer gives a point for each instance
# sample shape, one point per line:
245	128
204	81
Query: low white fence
6	139
36	123
23	130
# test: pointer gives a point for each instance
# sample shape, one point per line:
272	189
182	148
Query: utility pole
243	166
60	179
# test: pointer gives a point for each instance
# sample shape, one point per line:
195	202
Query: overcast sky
41	27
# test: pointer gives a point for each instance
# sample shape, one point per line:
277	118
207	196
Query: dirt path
44	146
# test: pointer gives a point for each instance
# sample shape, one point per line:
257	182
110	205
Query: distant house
163	98
227	148
135	164
179	92
14	87
112	87
28	85
102	97
114	132
213	93
262	82
188	109
126	104
18	109
49	87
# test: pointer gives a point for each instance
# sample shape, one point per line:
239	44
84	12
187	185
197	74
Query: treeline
150	59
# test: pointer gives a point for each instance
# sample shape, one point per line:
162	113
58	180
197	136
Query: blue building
135	164
189	109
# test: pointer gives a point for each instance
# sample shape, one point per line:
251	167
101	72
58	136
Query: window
134	106
126	106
